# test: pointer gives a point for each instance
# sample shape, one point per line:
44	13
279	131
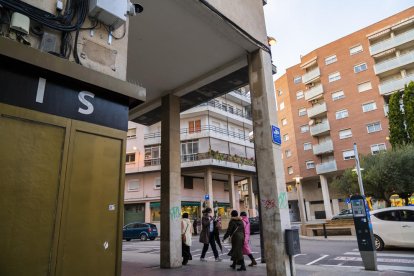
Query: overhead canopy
191	49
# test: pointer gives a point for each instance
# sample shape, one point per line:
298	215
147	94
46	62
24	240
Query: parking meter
363	229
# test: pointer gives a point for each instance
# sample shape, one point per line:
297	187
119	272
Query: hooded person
236	232
207	235
186	233
246	246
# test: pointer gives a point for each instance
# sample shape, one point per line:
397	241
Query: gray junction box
292	241
109	12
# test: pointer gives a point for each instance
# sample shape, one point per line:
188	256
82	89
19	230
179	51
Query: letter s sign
88	104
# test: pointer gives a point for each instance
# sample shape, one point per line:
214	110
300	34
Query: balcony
389	87
392	42
314	93
240	95
214	158
311	76
320	129
326	167
394	63
318	110
322	148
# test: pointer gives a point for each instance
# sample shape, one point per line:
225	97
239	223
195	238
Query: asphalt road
313	252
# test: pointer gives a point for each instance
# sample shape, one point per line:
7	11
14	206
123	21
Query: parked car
393	226
254	225
344	214
139	230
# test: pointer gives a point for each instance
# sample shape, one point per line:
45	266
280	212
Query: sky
301	26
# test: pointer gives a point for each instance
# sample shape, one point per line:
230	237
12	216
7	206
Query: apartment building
337	96
215	151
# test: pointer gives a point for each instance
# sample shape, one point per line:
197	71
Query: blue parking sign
206	197
276	138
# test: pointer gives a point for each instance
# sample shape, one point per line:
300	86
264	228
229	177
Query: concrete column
325	195
208	186
300	202
232	191
271	179
147	212
335	206
170	256
252	201
308	210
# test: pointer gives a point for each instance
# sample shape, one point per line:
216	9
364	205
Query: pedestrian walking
236	233
207	235
195	226
246	245
186	233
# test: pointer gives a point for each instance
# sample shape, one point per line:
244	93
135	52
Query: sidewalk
138	264
330	238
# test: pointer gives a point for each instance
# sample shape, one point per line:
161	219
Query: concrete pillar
325	195
308	210
335	206
252	201
170	256
232	191
271	179
300	202
208	186
147	212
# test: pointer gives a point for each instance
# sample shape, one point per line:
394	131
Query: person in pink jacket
246	247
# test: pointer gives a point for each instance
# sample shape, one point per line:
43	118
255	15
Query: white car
393	226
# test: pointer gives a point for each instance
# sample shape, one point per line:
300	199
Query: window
388	215
302	111
230	109
310	164
299	95
130	157
338	95
360	67
341	114
157	183
348	154
377	148
334	77
133	185
288	153
279	92
346	133
304	128
297	79
282	105
132	133
355	50
194	126
189	150
188	182
152	155
362	87
284	121
307	146
224	106
330	59
374	127
290	170
407	215
369	106
286	137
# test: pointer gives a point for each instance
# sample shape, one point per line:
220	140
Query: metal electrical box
109	12
292	241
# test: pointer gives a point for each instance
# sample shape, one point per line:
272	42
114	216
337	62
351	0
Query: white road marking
383	254
258	259
393	267
382	260
317	260
294	256
355	249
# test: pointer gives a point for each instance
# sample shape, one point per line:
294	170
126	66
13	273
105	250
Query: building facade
337	96
215	151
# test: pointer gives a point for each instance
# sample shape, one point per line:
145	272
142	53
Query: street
342	253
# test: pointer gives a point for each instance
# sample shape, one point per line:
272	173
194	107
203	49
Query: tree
408	101
398	133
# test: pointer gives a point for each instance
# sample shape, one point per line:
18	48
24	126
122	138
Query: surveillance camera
134	9
138	8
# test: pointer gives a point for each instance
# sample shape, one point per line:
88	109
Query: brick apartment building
335	97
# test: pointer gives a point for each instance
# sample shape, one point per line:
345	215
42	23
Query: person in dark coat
195	226
236	232
207	235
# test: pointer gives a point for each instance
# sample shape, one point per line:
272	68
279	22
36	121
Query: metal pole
358	167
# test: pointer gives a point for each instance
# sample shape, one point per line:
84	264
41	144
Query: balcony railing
326	167
394	63
317	110
227	109
391	86
320	129
152	162
324	147
392	42
311	75
314	93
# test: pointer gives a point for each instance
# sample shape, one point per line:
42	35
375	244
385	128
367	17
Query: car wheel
152	239
127	239
143	237
379	244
